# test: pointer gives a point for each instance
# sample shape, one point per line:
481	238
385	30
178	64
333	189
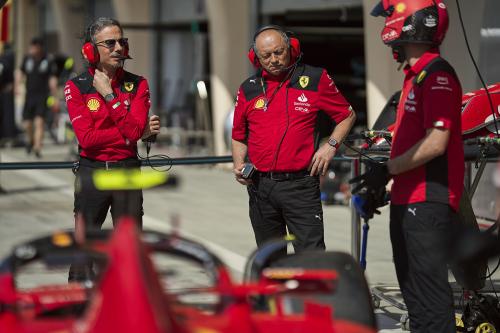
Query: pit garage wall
229	22
25	26
70	18
228	28
71	23
383	79
137	13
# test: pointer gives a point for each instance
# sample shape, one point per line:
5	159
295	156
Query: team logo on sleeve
442	83
93	104
129	86
442	80
67	92
260	103
304	81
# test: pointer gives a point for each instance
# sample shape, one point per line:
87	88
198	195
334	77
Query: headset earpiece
295	52
252	56
126	49
90	52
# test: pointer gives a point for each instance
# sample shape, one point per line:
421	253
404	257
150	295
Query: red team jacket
108	131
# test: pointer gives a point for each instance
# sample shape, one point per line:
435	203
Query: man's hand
321	159
238	175
374	179
153	127
102	83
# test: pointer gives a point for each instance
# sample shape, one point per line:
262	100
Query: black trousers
421	236
94	204
8	128
294	204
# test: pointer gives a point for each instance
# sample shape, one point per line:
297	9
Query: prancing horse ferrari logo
304	81
128	86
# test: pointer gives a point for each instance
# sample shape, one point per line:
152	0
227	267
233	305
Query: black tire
351	299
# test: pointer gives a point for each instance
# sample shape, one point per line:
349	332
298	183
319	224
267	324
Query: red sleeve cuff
239	137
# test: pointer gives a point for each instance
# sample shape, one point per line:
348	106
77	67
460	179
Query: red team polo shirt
281	136
435	103
108	131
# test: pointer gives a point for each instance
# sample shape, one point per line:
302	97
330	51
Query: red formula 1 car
477	114
140	287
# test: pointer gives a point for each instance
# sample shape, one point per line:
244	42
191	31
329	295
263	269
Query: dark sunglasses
110	43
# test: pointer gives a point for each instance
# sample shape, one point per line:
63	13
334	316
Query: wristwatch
334	143
109	97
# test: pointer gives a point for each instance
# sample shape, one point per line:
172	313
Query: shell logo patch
260	103
304	81
128	86
93	104
400	7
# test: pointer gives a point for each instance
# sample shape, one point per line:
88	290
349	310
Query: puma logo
318	217
413	211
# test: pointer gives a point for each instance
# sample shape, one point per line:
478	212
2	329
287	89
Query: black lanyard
268	101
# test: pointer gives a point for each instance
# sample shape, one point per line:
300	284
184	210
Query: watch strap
334	143
109	97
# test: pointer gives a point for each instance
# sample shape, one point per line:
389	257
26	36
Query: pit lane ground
210	204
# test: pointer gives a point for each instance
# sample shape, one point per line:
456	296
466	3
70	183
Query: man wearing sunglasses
426	163
108	108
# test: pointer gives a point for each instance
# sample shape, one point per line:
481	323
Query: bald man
273	133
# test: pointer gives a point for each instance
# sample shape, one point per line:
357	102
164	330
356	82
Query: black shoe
38	154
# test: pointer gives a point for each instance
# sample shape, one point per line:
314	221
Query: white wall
228	23
136	12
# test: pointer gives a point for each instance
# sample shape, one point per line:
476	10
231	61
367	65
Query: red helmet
412	21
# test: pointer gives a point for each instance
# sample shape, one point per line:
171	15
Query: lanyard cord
268	101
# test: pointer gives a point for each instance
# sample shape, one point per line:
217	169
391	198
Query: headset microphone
295	63
124	57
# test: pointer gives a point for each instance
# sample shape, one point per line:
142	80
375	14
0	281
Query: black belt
126	163
280	176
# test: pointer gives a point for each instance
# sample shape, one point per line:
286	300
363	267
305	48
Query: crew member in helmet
273	128
426	161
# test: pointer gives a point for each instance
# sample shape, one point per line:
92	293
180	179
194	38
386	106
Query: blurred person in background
38	71
8	128
108	109
58	117
274	122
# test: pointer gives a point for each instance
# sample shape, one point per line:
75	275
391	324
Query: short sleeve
331	100
441	100
239	132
